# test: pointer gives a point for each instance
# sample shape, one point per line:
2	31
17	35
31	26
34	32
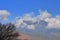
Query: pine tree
8	32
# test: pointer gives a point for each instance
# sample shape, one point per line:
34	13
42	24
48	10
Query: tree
8	32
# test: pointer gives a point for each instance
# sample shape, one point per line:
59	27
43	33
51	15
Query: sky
20	7
34	17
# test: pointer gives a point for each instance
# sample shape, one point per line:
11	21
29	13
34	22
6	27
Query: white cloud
30	26
31	22
53	23
58	17
4	15
44	14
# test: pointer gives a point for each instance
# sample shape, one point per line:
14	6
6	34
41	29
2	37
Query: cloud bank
29	21
4	15
44	19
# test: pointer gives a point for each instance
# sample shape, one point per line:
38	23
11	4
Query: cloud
26	21
53	23
4	15
44	19
44	14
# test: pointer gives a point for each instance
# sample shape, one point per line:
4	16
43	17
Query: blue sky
20	7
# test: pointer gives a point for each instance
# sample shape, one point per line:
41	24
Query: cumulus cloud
53	23
4	15
44	14
43	19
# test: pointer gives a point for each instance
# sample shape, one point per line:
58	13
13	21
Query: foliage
8	32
